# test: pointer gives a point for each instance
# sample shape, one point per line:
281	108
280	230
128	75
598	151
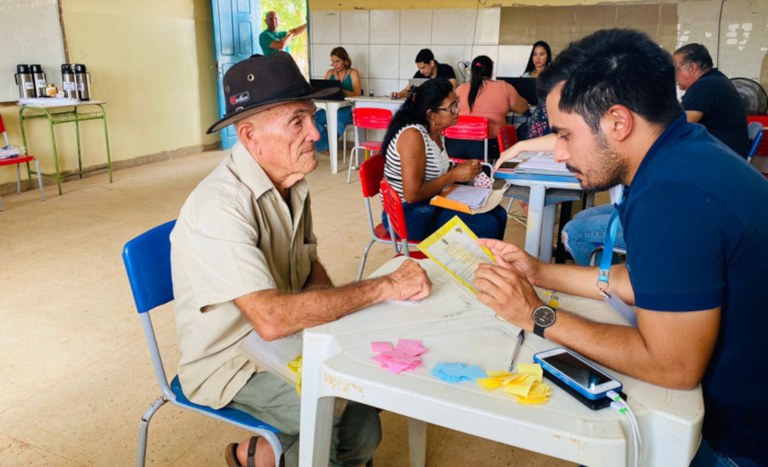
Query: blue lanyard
605	269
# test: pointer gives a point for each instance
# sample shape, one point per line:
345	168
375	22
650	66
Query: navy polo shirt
695	222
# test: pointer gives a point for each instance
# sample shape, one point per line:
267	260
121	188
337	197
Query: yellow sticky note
295	366
533	369
521	386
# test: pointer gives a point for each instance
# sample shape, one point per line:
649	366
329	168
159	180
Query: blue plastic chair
147	261
755	134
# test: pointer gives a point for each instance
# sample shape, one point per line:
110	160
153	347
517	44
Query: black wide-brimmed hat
260	83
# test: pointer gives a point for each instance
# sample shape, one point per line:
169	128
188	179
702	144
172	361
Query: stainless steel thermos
83	79
38	76
68	83
25	81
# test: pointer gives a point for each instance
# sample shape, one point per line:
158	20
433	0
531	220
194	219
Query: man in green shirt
273	40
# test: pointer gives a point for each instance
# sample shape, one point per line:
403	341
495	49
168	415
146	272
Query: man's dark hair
614	66
695	53
424	56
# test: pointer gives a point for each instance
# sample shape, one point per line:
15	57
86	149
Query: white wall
383	43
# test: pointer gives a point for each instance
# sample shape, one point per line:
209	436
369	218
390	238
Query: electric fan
752	94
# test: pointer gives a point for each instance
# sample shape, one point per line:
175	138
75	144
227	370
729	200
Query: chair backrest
507	137
468	127
371	118
393	206
755	134
147	261
371	173
3	132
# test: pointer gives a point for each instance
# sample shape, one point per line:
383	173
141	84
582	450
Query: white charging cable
621	406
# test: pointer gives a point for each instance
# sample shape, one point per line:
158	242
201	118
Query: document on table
453	248
542	163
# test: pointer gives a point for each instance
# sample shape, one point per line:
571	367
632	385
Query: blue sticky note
455	372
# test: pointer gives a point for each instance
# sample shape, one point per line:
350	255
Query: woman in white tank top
417	165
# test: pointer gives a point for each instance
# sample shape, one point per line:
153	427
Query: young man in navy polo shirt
695	222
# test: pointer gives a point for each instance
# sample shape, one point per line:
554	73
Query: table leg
79	152
417	442
106	141
316	410
535	219
547	231
333	142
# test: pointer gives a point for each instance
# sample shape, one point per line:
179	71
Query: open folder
469	199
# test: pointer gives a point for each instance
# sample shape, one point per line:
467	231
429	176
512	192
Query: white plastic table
455	327
539	227
331	111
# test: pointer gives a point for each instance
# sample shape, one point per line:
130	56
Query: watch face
544	316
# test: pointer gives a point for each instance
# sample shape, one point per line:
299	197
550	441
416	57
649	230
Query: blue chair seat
231	414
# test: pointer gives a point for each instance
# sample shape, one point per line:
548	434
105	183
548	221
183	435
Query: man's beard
613	167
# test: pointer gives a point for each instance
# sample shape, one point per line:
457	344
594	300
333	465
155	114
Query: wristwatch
543	317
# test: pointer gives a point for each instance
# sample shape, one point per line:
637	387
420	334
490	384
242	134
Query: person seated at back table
710	98
537	123
417	165
429	68
489	98
697	254
341	70
540	58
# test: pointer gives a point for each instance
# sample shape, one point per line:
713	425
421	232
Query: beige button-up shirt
235	235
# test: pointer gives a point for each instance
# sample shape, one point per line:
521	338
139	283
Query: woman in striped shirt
417	165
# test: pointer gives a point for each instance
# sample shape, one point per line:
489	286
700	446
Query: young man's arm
671	349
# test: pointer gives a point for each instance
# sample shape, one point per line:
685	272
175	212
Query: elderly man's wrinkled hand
410	282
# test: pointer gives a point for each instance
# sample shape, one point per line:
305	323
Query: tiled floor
75	374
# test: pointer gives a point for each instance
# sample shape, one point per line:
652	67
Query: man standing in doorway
710	98
273	40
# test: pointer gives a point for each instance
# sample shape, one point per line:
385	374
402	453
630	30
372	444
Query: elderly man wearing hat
244	257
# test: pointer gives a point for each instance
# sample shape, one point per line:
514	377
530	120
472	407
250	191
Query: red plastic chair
507	137
398	231
371	174
470	128
16	158
367	119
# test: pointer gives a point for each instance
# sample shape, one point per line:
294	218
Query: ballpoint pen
516	350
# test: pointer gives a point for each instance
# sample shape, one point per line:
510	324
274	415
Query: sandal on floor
230	453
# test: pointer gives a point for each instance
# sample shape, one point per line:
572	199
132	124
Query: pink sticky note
381	346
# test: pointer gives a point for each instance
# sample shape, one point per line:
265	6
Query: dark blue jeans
706	456
422	219
343	118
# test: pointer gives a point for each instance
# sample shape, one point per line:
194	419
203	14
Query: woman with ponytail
485	97
417	165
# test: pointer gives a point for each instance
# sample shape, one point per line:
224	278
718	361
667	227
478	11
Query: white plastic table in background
539	227
331	112
455	327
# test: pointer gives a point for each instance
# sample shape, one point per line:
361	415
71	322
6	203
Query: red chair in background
470	128
507	137
11	155
760	153
398	231
367	119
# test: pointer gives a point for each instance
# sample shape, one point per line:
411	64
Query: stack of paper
471	196
542	163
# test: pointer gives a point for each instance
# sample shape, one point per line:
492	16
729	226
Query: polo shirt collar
676	130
